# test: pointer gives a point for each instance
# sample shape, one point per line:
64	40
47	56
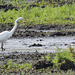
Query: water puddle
43	44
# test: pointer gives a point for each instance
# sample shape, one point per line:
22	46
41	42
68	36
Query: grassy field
58	15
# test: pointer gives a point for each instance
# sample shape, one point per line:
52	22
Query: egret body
7	34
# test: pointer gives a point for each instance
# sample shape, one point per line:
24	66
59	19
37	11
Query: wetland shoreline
34	37
40	30
39	66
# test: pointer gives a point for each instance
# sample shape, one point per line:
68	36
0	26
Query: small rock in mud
39	40
38	45
66	44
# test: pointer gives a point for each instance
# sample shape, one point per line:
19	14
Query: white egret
7	34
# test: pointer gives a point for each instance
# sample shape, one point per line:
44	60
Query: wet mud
40	30
40	44
39	37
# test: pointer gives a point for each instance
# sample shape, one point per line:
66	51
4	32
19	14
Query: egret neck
14	28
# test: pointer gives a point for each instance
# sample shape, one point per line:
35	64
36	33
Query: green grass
11	67
60	15
60	57
23	1
48	15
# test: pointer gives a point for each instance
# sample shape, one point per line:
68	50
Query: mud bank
39	37
40	30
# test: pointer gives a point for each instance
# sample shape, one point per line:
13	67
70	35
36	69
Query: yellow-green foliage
60	57
37	15
47	57
11	65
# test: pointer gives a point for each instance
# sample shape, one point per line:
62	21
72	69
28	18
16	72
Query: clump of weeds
12	68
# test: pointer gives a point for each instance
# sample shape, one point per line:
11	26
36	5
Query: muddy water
43	44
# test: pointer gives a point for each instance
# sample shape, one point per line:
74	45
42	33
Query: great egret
7	34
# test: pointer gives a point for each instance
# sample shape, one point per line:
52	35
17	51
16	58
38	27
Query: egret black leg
2	46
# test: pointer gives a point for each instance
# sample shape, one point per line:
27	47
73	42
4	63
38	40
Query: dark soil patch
34	45
67	65
42	64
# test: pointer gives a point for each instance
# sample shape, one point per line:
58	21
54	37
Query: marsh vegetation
57	63
41	12
41	15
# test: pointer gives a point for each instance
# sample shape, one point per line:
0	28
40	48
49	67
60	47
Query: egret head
20	18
